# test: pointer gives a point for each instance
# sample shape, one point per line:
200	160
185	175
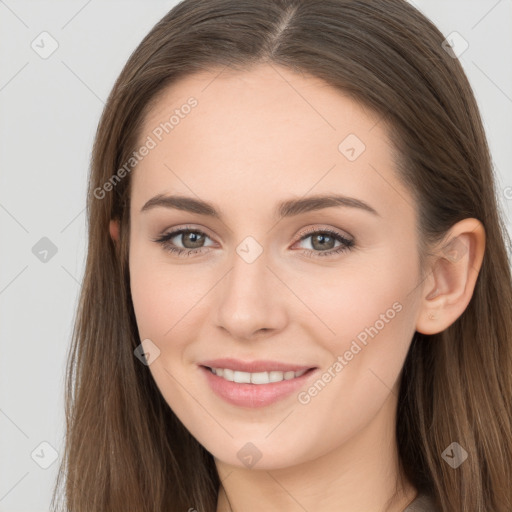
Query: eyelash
346	244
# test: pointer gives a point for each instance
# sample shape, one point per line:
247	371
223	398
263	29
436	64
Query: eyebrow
288	208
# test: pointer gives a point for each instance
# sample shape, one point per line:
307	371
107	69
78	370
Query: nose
251	300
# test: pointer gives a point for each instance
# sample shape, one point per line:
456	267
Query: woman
297	293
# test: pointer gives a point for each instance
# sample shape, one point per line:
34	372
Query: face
330	287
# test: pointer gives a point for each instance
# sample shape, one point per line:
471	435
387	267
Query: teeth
255	378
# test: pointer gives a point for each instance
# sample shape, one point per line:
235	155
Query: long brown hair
125	448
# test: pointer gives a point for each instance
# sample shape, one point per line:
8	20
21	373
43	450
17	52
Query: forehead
267	99
265	131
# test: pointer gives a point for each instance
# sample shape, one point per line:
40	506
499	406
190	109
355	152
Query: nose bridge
248	301
248	281
249	268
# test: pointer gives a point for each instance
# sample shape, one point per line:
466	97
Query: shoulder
422	503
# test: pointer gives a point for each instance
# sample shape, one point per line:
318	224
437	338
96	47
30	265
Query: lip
255	395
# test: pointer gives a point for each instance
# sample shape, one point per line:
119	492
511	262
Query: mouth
255	384
257	378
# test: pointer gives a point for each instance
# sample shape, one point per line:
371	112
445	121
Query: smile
258	388
255	378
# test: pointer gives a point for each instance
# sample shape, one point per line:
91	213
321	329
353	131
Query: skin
258	137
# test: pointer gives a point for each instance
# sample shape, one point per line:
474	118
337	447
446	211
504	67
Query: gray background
49	110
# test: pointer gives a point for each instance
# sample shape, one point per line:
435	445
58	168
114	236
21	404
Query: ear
447	290
114	231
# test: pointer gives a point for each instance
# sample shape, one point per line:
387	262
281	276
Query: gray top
422	503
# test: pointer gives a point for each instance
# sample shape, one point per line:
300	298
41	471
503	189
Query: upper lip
254	366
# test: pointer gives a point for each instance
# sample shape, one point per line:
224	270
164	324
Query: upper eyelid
315	229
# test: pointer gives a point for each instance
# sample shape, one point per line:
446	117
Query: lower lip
254	395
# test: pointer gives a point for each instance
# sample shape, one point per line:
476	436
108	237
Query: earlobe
450	285
114	230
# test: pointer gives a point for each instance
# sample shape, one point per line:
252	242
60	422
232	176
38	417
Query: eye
193	238
322	242
325	240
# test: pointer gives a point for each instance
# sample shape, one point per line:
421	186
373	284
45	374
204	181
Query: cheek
374	325
370	314
149	302
157	291
368	296
168	300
